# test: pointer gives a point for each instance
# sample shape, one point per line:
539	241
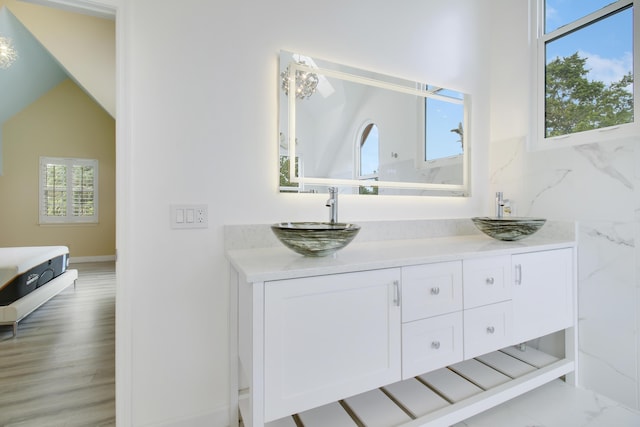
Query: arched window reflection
369	151
369	159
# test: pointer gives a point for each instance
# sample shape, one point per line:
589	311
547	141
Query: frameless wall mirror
369	133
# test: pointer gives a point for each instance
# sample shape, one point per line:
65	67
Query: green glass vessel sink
508	228
315	238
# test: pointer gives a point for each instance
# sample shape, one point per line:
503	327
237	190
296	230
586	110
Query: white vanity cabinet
428	329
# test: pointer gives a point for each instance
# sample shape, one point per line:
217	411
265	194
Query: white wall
199	125
597	185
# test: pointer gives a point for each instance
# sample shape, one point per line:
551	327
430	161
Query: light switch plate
189	216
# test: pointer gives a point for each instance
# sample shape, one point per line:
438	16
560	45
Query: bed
29	277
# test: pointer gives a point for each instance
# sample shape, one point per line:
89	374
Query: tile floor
557	404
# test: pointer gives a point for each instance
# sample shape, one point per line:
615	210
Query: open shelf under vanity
441	397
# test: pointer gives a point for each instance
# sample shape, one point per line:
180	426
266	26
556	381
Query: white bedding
15	261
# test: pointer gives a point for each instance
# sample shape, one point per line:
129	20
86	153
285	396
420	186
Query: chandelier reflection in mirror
306	82
8	54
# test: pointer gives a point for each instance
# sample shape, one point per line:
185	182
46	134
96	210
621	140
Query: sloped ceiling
53	44
32	75
47	39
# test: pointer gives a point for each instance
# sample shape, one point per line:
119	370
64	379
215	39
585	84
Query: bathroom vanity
416	332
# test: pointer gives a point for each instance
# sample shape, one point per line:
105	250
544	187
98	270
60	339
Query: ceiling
34	73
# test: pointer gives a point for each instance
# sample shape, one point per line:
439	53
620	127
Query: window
584	56
444	133
68	190
443	120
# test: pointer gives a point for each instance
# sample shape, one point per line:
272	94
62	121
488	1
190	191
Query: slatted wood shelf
442	397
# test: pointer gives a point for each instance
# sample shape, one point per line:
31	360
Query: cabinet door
542	293
329	337
431	343
486	280
431	289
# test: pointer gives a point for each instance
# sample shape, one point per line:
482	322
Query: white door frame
115	9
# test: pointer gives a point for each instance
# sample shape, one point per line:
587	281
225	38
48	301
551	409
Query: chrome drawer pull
490	329
518	274
396	293
435	291
435	345
489	281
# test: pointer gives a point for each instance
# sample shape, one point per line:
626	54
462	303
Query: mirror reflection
369	133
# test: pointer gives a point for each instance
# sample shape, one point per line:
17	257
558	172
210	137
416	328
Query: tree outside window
588	65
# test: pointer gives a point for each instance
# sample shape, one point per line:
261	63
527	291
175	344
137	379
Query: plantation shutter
68	190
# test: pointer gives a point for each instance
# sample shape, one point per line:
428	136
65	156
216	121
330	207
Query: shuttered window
68	190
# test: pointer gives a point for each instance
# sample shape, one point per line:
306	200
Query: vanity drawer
430	344
486	280
487	328
431	289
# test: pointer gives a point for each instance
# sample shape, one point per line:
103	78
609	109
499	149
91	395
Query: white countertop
277	263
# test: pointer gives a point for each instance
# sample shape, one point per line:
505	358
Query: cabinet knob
435	345
489	281
435	291
490	329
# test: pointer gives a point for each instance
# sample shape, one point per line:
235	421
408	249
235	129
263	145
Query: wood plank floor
60	369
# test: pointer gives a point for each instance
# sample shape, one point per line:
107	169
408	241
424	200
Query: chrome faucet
332	204
499	205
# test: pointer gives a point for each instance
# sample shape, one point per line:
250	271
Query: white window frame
69	218
537	140
421	158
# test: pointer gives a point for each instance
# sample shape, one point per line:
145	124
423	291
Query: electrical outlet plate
189	216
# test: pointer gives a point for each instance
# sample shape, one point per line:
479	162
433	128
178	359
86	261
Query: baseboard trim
99	258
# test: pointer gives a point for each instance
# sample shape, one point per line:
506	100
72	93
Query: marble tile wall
595	185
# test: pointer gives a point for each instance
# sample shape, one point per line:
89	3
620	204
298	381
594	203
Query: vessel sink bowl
315	239
508	228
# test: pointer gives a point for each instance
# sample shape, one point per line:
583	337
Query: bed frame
16	311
